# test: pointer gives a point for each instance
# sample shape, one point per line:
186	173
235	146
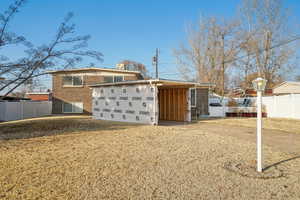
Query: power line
260	51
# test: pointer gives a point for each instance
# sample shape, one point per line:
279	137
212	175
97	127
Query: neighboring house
39	96
249	92
150	101
11	98
70	91
287	87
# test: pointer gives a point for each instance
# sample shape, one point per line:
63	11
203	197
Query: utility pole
223	66
155	62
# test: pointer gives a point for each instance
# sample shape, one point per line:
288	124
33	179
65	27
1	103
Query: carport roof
159	82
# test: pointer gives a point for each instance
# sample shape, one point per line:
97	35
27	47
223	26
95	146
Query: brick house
70	88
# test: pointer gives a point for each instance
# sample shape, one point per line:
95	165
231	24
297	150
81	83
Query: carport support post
259	126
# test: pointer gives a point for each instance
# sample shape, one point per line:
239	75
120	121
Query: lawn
288	125
81	158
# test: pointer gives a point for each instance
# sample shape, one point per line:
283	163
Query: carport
145	101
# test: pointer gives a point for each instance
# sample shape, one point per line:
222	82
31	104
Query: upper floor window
193	97
118	78
72	81
113	79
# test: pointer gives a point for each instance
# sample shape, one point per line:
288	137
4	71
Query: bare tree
211	47
266	23
65	50
133	66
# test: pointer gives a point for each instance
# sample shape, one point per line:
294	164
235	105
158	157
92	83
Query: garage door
173	104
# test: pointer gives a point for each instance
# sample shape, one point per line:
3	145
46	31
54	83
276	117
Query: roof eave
154	81
92	69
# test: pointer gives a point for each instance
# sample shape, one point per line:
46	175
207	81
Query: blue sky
129	29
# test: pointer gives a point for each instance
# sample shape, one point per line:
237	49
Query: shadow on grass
282	161
48	127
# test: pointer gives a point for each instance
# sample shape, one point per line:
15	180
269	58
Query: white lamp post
259	85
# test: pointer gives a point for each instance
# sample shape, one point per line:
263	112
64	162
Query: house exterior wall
82	93
287	88
127	103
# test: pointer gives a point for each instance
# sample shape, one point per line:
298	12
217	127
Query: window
193	97
108	79
77	80
67	80
72	81
72	107
118	78
113	79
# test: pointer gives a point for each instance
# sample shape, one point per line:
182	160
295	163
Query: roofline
38	92
153	81
293	82
94	68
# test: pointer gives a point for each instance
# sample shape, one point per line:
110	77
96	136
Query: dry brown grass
122	161
47	126
287	125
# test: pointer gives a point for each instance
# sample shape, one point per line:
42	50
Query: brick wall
76	94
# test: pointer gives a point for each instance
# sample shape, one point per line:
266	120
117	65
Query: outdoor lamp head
259	84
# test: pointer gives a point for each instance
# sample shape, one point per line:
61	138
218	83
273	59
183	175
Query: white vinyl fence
217	111
24	109
285	106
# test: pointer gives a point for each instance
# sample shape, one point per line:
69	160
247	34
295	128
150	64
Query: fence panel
13	111
29	109
2	111
296	108
286	106
216	111
24	109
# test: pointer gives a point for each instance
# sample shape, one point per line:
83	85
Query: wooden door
172	104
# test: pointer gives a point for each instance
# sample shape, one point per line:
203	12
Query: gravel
142	162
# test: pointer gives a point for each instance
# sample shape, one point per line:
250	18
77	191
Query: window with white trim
193	97
72	107
72	81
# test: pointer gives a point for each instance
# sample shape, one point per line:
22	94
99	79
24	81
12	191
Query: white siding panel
134	103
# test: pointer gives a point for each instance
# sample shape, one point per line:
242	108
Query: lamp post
259	85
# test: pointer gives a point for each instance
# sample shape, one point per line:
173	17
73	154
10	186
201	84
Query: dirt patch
247	170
